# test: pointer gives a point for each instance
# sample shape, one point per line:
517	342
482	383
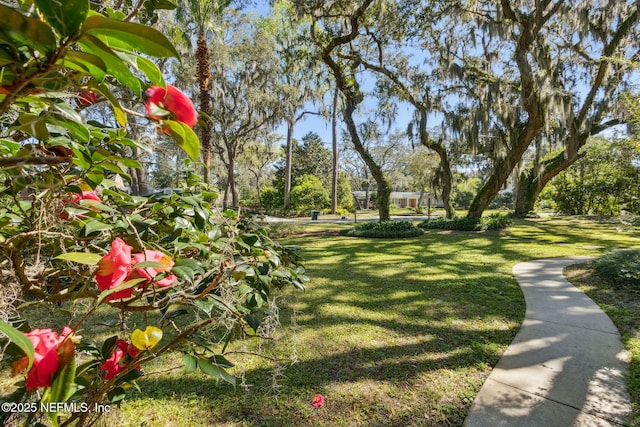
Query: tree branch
9	162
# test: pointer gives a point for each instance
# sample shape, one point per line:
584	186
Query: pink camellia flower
51	353
317	400
149	273
114	268
174	101
117	362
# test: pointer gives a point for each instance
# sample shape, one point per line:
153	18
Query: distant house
402	199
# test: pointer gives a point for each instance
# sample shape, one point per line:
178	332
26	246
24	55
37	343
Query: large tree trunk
204	83
334	143
445	164
287	166
231	178
353	96
383	185
524	132
533	181
447	180
503	168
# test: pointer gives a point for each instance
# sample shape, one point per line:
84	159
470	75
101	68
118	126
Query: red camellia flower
86	195
75	198
317	400
174	101
87	97
115	268
150	272
119	358
51	352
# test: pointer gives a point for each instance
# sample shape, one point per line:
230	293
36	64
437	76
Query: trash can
314	215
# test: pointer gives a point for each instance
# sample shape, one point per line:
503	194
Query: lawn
392	333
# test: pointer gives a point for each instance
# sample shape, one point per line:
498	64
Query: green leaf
216	372
118	111
183	273
27	31
129	377
19	339
221	361
75	129
151	264
85	62
115	169
253	321
62	386
150	70
190	363
81	257
87	366
161	4
94	175
9	147
116	395
108	346
34	126
115	65
94	226
185	137
136	37
130	163
125	285
65	16
193	264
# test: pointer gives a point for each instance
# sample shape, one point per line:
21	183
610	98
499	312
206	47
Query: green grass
622	305
392	333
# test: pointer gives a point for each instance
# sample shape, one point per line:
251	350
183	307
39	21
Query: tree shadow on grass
392	333
360	370
392	344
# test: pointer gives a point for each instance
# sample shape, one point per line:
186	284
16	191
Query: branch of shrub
10	162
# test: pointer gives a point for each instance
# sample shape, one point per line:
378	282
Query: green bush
465	224
385	230
620	268
495	222
491	222
309	194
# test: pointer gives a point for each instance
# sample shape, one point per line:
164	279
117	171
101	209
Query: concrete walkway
565	367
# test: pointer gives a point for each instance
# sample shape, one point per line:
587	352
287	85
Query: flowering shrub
67	232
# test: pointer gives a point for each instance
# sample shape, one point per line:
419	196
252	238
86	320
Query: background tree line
482	102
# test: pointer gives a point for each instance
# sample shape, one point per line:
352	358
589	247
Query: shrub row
385	230
491	222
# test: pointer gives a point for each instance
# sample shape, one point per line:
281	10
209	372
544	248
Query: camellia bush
68	232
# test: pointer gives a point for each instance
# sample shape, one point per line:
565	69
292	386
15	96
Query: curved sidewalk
565	367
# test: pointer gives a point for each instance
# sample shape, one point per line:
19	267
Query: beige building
402	199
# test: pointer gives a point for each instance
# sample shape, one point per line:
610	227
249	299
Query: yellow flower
147	339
